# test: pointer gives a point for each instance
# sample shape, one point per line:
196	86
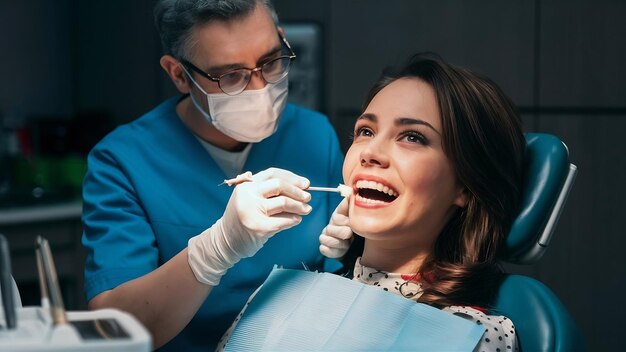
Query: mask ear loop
193	80
193	99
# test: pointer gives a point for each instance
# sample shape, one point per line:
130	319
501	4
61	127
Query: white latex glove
272	202
336	237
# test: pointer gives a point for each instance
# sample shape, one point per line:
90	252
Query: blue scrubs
151	186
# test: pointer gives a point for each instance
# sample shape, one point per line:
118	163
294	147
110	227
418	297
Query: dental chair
541	320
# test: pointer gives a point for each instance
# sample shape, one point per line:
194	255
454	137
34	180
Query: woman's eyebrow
403	121
368	116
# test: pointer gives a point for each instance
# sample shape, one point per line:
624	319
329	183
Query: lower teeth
369	201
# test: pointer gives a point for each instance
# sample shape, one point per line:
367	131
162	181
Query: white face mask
250	116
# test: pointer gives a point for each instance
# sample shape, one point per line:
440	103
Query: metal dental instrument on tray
50	327
51	281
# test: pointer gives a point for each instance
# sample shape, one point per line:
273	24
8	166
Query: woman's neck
402	260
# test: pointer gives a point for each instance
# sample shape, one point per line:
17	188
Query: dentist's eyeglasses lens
235	81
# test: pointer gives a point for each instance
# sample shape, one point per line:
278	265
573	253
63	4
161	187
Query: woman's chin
370	229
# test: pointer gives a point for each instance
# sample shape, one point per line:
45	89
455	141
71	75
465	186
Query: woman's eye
363	131
414	137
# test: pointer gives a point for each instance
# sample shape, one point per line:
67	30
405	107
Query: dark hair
482	136
174	19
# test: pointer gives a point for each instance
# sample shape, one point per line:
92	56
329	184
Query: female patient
436	165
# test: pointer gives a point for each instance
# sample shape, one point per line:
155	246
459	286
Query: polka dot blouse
499	333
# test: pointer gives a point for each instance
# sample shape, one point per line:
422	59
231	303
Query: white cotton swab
344	190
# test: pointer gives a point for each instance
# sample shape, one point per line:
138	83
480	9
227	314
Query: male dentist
164	240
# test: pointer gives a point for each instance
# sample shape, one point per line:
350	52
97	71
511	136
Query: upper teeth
377	186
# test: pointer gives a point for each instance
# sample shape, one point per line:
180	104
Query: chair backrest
541	321
548	178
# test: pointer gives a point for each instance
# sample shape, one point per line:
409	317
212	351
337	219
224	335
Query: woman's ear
462	197
175	72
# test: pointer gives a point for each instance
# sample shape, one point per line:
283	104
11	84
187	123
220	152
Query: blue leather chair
541	321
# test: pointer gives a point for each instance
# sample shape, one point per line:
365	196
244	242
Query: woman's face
404	185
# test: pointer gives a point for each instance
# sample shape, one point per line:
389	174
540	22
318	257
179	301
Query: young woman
436	167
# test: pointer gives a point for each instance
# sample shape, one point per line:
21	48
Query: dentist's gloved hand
337	236
272	202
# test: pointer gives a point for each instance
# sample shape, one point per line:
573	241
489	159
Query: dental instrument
50	327
342	189
43	286
57	309
245	177
8	301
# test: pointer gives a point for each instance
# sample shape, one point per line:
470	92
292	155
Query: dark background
562	62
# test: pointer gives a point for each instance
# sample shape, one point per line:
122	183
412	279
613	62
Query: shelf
48	212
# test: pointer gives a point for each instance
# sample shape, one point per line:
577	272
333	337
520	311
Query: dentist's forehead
236	41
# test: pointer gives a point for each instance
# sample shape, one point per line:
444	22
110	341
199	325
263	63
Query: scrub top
151	186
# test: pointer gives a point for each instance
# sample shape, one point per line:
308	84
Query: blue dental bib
299	310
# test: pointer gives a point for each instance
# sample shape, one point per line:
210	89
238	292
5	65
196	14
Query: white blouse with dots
499	333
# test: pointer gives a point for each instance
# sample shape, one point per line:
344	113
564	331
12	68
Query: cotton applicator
344	190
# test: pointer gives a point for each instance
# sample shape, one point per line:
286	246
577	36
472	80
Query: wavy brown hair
482	136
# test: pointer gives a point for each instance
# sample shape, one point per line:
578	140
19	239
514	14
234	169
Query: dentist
162	238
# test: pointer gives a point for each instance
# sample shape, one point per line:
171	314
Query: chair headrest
548	177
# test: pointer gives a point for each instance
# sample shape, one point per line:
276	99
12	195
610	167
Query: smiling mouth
373	192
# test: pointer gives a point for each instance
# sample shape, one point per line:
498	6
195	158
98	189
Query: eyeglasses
235	81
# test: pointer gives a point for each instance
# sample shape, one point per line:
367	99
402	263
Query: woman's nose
374	155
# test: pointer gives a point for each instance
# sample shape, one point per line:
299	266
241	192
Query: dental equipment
43	286
245	177
51	328
8	301
344	190
57	309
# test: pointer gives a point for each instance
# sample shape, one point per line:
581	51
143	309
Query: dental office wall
561	61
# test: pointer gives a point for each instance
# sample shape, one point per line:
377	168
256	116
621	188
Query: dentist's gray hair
175	19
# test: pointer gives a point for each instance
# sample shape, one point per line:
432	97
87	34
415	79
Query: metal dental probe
8	303
57	309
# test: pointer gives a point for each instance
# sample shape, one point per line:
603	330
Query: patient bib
303	310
